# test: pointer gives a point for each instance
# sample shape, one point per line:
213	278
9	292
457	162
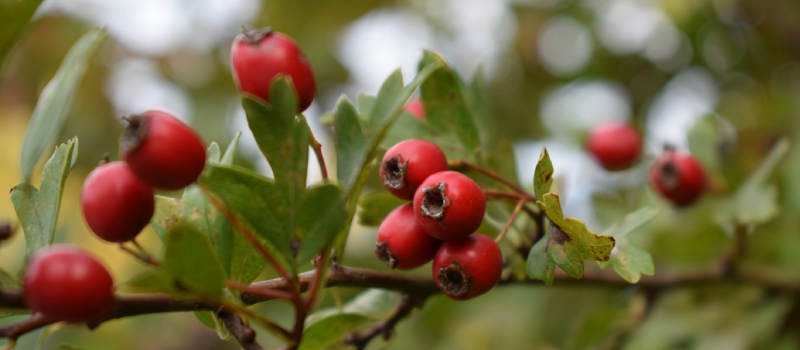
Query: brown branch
16	330
245	335
385	328
317	147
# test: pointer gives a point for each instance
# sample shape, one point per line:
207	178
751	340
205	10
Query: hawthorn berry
408	163
402	243
416	108
615	146
68	284
163	151
679	177
449	205
258	56
467	267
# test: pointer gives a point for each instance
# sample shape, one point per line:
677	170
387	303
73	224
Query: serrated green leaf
191	262
256	202
328	326
230	152
54	102
283	137
320	217
570	242
37	209
756	202
539	264
629	260
388	107
374	207
543	175
16	15
446	107
349	139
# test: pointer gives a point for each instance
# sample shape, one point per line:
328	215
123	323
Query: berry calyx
407	164
449	205
68	284
402	243
162	151
415	108
679	177
468	267
116	204
615	146
258	56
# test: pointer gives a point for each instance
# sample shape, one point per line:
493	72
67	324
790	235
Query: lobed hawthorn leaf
54	102
374	207
320	217
570	242
629	260
191	261
349	139
37	209
539	264
387	108
446	108
543	175
326	327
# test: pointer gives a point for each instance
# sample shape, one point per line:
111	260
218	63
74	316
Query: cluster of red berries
447	208
677	176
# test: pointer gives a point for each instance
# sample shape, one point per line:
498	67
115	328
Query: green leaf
543	175
374	207
388	107
230	152
756	202
283	138
149	281
570	242
256	202
16	15
55	100
705	140
37	209
212	153
210	320
328	326
348	136
445	105
320	217
539	264
191	262
365	104
629	260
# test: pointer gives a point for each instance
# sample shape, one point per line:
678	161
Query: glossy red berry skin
402	243
468	267
68	284
115	203
416	108
679	177
449	205
615	146
258	56
408	163
163	151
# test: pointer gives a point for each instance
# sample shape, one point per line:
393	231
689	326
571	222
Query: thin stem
511	219
317	147
385	328
495	194
16	330
141	255
319	269
489	173
245	335
266	293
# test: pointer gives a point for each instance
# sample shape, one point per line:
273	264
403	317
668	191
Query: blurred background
552	68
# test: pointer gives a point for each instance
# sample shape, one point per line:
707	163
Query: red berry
115	203
449	205
162	151
402	243
468	267
679	177
258	56
68	284
416	108
615	146
408	163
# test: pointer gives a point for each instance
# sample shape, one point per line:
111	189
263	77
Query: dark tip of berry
454	280
6	230
394	172
434	202
254	36
135	132
669	174
385	254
